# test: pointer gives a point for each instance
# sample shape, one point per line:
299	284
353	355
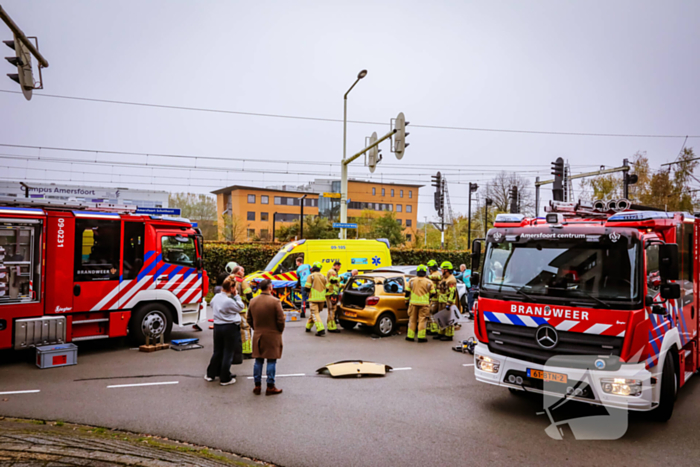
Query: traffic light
400	143
23	61
513	194
558	172
439	197
629	179
373	157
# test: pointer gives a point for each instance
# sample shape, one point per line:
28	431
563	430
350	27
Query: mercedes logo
546	337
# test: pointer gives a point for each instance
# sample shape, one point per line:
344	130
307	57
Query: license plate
350	314
547	376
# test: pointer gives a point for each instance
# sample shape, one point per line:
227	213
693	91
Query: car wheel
152	320
347	325
385	325
669	389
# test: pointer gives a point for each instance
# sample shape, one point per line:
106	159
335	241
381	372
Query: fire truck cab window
178	249
97	244
20	262
134	233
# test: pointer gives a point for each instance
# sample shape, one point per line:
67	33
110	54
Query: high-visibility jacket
317	283
333	285
420	289
447	291
243	288
435	277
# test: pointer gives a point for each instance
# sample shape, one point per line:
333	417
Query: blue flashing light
639	216
509	218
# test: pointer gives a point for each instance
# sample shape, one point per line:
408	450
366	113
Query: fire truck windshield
585	271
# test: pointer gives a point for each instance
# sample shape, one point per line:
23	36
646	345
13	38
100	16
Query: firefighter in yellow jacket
332	291
435	277
316	289
418	293
246	294
447	293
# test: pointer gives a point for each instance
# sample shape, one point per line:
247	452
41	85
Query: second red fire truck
72	272
597	304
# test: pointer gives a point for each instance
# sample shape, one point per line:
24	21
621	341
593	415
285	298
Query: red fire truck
72	272
596	304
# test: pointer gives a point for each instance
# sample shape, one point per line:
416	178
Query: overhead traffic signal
513	195
558	172
439	196
23	61
373	156
400	143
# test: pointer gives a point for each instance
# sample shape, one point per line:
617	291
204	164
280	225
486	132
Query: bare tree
231	229
499	187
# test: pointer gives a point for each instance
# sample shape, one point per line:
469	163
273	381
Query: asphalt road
433	414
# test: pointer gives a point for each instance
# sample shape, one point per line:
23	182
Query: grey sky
597	67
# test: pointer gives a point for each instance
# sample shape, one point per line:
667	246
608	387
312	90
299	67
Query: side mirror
670	291
668	262
659	310
475	279
476	255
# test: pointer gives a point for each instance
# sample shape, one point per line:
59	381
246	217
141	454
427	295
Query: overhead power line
337	120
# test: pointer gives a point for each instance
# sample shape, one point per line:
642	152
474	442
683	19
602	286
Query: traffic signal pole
344	179
20	36
538	183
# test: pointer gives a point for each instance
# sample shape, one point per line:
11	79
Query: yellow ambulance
363	255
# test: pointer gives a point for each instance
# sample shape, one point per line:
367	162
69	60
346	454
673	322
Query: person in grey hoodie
227	333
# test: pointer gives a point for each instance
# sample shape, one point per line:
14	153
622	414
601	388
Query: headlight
621	386
487	364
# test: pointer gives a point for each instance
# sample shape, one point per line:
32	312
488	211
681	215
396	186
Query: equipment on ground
354	368
51	356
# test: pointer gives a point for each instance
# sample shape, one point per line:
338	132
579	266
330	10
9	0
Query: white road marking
282	376
140	384
19	392
400	369
467	364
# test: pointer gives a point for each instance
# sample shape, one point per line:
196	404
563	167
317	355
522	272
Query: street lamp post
343	166
487	202
301	219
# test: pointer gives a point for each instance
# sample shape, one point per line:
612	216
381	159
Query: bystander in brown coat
266	317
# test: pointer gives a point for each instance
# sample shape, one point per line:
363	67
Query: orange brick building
255	207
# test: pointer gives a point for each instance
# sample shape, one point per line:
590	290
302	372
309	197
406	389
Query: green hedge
255	256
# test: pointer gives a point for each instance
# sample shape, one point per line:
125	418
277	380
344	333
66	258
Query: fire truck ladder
568	183
69	205
450	214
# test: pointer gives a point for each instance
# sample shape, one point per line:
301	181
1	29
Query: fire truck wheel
669	389
152	319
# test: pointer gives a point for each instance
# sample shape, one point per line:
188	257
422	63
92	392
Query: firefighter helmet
318	264
446	265
432	263
230	265
421	267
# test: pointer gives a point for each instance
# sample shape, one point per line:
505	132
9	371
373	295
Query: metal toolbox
50	356
40	331
291	316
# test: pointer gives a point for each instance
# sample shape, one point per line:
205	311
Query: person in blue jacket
303	271
465	275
